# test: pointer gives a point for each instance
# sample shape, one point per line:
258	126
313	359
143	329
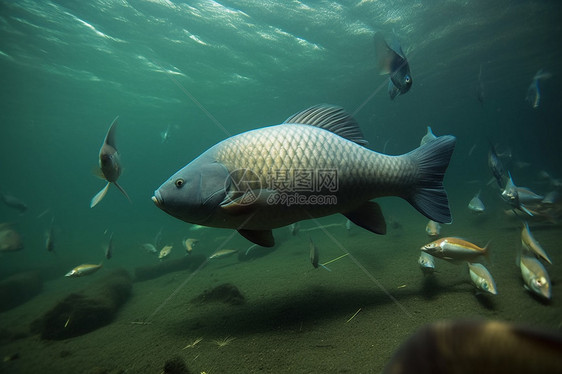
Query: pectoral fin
100	195
245	203
263	238
369	216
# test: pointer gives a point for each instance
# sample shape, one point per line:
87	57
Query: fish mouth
157	199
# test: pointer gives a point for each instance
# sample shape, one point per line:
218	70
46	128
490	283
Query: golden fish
189	244
165	252
455	249
223	253
530	243
85	269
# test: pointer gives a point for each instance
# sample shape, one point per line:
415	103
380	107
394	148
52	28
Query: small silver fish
165	135
427	263
223	253
110	165
455	249
109	248
482	278
150	248
511	195
50	237
81	270
165	252
476	205
535	276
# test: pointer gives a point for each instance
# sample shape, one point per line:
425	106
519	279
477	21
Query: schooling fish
496	167
482	278
241	182
530	243
223	253
82	270
150	248
14	202
110	164
165	252
392	60
511	195
533	92
535	276
476	205
455	249
189	244
10	240
433	228
427	263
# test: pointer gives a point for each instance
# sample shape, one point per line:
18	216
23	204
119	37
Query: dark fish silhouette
392	61
110	165
13	202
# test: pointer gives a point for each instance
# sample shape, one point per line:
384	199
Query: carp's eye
179	183
407	79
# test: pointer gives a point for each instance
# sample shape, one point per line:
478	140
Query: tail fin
428	195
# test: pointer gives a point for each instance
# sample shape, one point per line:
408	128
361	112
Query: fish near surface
110	164
232	185
392	60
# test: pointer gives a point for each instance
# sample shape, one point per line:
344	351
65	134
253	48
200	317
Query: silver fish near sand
529	243
476	205
13	202
240	183
82	270
427	263
510	194
535	276
429	136
482	278
110	164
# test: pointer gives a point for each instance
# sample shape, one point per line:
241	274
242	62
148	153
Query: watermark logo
284	187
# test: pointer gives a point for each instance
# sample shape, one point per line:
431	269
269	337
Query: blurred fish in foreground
109	164
392	60
469	347
533	92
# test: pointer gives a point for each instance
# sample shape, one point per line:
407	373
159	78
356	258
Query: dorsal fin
331	118
110	137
